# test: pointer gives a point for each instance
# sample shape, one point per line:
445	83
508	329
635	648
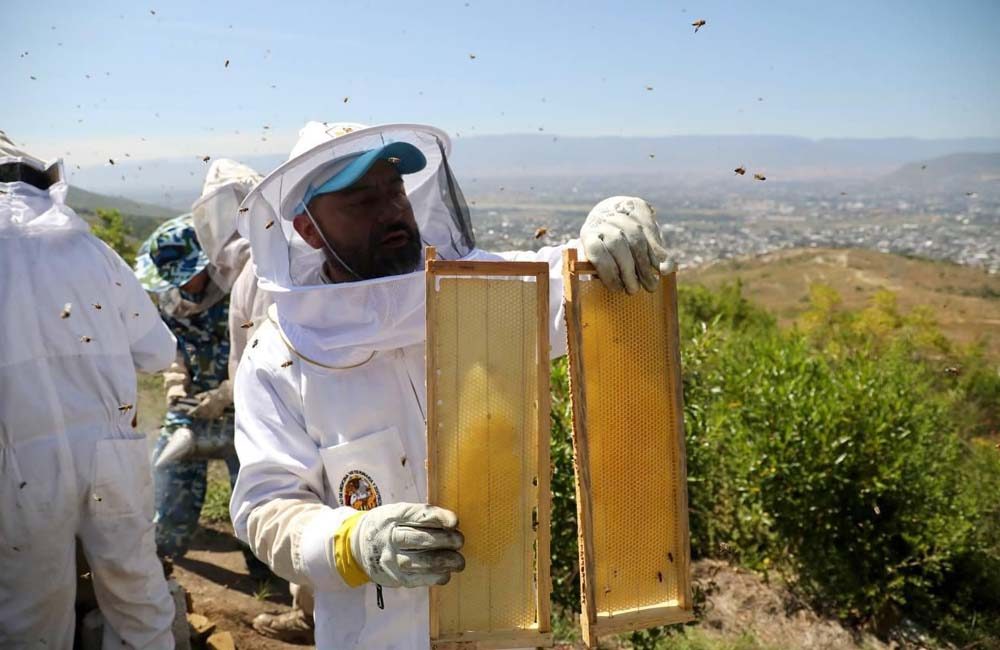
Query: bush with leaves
839	455
112	229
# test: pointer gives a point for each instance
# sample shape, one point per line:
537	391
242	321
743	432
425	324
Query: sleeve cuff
347	565
316	549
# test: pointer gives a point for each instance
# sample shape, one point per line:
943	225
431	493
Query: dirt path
215	575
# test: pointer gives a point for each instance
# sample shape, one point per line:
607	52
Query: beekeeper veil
372	313
226	185
33	192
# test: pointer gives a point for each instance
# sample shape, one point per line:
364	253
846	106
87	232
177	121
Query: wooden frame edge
581	456
643	619
669	282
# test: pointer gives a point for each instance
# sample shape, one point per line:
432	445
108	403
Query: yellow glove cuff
343	556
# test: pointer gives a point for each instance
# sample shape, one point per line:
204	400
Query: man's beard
379	261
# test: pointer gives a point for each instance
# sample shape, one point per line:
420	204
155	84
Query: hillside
962	171
142	218
965	300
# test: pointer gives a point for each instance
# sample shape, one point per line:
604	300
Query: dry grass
964	300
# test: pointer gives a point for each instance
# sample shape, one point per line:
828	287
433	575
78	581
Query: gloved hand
401	545
212	403
622	239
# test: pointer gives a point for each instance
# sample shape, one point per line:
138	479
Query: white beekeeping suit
76	324
357	404
330	399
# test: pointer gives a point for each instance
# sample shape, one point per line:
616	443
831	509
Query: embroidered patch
359	491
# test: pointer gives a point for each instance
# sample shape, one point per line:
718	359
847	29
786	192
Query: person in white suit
330	394
76	324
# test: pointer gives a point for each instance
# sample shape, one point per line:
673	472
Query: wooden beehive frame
542	636
593	624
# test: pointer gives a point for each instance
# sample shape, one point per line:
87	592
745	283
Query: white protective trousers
75	326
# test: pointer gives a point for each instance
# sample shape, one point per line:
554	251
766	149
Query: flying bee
541	232
226	64
247	325
740	170
206	158
698	24
86	339
125	408
65	313
97	306
268	225
242	210
111	160
286	364
254	344
759	177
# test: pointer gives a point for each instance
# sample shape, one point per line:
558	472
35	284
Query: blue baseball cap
407	158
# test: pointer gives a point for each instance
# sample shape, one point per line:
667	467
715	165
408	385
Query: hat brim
407	158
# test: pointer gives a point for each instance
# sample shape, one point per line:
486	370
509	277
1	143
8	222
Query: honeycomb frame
656	585
454	400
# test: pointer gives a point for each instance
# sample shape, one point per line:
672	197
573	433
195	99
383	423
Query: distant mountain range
961	171
674	160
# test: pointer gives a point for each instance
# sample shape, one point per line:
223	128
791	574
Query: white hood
340	324
214	215
27	208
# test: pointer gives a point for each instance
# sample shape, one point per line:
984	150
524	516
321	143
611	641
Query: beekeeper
189	263
330	395
76	324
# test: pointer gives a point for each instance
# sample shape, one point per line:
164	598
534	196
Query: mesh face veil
331	322
284	260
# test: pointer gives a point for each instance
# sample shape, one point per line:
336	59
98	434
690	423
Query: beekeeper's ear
304	226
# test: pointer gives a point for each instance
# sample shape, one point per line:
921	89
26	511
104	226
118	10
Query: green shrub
840	455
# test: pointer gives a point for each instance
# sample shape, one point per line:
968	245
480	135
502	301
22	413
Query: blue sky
158	85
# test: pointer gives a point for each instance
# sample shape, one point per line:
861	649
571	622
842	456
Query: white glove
408	545
622	239
212	403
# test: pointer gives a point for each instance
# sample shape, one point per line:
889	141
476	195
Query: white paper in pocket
367	472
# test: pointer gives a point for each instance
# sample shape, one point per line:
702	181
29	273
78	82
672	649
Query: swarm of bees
698	24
